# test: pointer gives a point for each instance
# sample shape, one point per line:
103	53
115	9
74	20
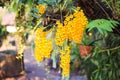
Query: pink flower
8	19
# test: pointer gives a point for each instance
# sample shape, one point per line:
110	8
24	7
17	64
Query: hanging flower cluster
65	61
61	34
43	46
72	28
41	8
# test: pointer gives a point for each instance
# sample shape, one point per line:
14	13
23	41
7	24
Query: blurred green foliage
103	64
3	32
114	5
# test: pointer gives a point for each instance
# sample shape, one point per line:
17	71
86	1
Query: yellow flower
72	28
67	48
41	8
20	48
65	61
43	46
78	8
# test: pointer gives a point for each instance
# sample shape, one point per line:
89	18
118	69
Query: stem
64	4
111	49
36	25
61	14
108	5
22	64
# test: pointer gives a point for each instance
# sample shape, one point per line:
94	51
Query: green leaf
101	77
54	59
104	26
35	10
110	73
51	2
58	1
41	1
39	25
73	57
97	75
94	53
32	14
29	3
95	62
114	23
95	71
15	4
90	26
100	30
108	51
107	28
107	65
49	35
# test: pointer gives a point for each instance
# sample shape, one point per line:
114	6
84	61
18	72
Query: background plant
3	34
114	5
102	62
102	25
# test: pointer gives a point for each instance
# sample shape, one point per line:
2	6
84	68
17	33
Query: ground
36	72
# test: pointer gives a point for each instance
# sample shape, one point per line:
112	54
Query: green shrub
103	64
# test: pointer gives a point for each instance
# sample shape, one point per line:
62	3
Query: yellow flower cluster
61	34
20	48
43	46
65	61
41	8
72	28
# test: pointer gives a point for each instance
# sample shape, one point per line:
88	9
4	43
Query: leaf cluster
102	25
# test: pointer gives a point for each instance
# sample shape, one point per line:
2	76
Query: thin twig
108	5
61	15
102	9
111	49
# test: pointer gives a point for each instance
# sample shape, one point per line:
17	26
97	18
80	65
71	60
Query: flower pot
85	50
